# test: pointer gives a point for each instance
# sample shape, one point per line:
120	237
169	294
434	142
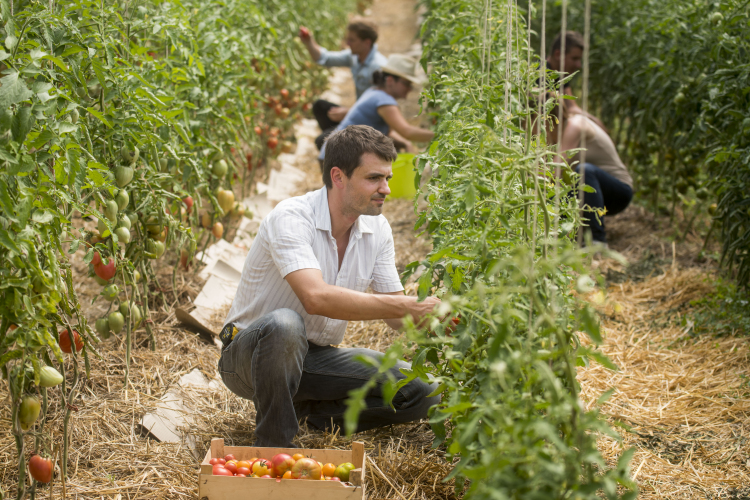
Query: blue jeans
291	379
611	194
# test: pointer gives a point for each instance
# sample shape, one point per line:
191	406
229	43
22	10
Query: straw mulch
681	400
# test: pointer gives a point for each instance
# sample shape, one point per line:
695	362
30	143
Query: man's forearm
342	303
314	50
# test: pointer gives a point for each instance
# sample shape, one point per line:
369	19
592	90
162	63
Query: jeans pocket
235	384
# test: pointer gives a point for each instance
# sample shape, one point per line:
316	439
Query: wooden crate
212	487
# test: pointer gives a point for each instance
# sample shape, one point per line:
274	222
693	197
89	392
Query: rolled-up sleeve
385	278
337	58
291	236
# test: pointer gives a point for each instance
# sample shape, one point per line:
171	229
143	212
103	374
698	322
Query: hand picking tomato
304	33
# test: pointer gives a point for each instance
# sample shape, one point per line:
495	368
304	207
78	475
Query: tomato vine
142	116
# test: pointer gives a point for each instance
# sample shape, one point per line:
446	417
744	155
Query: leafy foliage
506	265
120	111
671	78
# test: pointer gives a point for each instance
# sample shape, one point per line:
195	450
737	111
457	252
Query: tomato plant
117	112
504	260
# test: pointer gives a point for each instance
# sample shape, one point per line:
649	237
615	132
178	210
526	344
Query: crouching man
305	276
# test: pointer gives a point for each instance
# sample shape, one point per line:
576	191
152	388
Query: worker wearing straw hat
378	108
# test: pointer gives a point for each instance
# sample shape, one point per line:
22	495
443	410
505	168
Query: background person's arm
321	55
393	117
320	298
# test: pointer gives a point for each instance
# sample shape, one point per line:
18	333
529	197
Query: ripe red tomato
266	477
65	344
221	471
281	463
284	93
243	471
334	478
306	468
306	106
97	259
258	130
188	201
240	475
272	143
40	468
106	271
231	466
213	461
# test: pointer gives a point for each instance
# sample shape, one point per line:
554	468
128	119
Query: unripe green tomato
29	411
220	168
101	226
123	221
163	164
110	210
74	116
110	292
116	321
123	176
133	218
155	247
123	235
129	156
49	377
99	280
137	315
102	328
122	198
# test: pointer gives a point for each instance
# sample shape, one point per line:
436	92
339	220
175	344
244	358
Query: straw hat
402	66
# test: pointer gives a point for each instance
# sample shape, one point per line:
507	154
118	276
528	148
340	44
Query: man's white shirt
297	235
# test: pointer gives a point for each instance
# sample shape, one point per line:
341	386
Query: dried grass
683	402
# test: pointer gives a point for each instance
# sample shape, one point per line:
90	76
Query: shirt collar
370	57
323	216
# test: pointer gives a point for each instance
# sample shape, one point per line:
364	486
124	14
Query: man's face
357	44
365	192
573	60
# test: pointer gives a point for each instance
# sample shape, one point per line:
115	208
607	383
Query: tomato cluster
281	466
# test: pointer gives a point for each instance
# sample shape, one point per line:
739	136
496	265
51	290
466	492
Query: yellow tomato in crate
297	456
329	469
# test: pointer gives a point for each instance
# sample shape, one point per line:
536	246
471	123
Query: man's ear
337	176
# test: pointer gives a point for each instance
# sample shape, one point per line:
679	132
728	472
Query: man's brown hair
364	30
344	149
573	39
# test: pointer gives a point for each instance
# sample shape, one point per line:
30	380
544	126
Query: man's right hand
304	34
419	310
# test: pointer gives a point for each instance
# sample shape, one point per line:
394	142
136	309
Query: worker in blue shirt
362	57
